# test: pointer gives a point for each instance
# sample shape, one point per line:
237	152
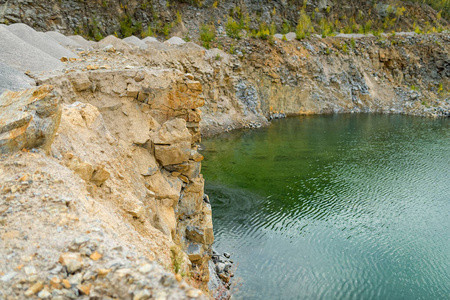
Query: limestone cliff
138	174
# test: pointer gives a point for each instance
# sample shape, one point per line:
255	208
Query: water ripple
338	207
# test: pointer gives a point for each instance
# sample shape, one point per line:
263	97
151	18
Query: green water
334	207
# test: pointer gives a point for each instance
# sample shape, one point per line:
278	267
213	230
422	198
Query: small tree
304	27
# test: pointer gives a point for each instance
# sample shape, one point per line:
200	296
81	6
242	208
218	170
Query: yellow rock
85	289
68	256
55	283
100	175
95	256
103	272
66	283
92	67
35	288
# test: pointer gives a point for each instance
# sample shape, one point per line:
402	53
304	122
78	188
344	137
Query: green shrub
264	32
167	28
94	30
128	27
179	18
232	50
367	27
285	27
187	37
148	32
417	30
345	48
232	28
273	28
207	34
353	43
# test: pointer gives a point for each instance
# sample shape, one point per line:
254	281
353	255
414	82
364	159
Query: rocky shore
101	192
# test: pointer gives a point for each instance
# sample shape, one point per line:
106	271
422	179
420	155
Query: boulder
291	36
29	119
80	82
195	252
190	204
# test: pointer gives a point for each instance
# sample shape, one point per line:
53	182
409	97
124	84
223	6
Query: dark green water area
334	207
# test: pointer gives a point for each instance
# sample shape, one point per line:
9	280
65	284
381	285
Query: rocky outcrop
398	74
183	18
28	119
130	138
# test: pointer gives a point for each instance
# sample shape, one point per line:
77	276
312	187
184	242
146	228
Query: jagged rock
195	234
167	222
192	170
80	82
72	261
28	119
190	203
172	154
100	175
35	288
165	188
172	142
133	206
